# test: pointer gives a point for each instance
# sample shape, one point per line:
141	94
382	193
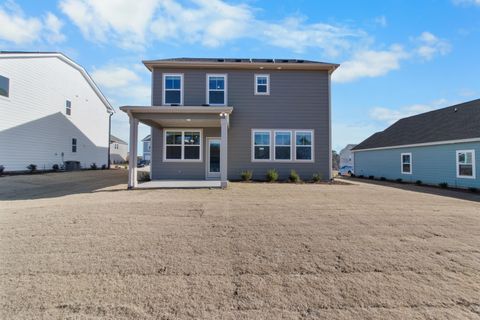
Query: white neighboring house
147	148
52	112
118	150
346	156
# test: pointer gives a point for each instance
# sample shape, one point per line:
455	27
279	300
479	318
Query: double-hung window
466	164
283	145
261	145
217	89
182	145
173	89
74	145
262	84
406	159
4	86
68	107
304	145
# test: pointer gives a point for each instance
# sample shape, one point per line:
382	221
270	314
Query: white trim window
4	86
261	141
282	145
172	89
217	89
304	145
68	107
262	84
466	164
406	163
182	145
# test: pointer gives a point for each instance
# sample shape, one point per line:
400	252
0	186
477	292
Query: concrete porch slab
179	184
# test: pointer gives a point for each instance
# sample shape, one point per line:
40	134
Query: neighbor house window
283	145
173	89
303	145
262	84
466	164
183	145
68	107
406	163
4	86
74	145
216	89
261	145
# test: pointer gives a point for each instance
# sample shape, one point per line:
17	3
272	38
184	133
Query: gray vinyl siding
297	100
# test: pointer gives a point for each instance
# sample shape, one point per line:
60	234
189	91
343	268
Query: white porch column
223	150
132	157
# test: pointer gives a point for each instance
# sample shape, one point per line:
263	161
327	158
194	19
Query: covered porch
179	118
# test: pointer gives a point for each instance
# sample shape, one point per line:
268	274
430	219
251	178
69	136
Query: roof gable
457	122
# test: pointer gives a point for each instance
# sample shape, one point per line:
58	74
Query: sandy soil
85	248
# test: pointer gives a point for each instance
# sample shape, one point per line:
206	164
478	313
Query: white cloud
19	29
370	63
467	2
391	115
114	77
123	20
430	45
381	21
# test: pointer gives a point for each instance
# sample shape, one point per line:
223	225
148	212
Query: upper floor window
173	89
216	89
406	163
4	86
74	145
466	164
68	107
262	84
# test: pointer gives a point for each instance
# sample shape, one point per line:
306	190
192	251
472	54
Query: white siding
34	127
118	155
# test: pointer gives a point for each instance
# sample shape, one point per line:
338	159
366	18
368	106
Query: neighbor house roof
116	139
241	63
458	122
64	58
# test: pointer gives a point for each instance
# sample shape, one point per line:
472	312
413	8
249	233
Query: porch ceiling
181	116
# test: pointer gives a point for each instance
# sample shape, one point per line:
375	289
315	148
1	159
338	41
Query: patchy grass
253	251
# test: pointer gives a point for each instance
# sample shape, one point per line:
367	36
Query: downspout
109	134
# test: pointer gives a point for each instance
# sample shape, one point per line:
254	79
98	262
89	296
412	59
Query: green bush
399	180
443	185
143	176
383	178
294	177
361	176
247	175
104	166
418	182
272	175
473	189
371	177
93	166
55	167
32	167
317	177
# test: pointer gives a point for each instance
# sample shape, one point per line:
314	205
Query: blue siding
430	164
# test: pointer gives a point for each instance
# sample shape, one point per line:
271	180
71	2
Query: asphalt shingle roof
461	121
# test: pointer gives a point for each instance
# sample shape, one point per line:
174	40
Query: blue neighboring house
434	147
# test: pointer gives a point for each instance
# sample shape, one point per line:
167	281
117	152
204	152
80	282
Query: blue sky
397	59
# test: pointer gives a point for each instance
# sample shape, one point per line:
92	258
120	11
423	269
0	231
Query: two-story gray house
214	118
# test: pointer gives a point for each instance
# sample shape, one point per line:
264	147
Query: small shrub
473	189
352	175
104	166
418	182
32	167
383	179
316	177
247	175
361	176
2	168
443	185
294	177
272	175
143	176
399	180
371	177
55	167
93	166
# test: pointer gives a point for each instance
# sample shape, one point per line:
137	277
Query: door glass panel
214	149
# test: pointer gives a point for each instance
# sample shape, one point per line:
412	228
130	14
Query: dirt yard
85	248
